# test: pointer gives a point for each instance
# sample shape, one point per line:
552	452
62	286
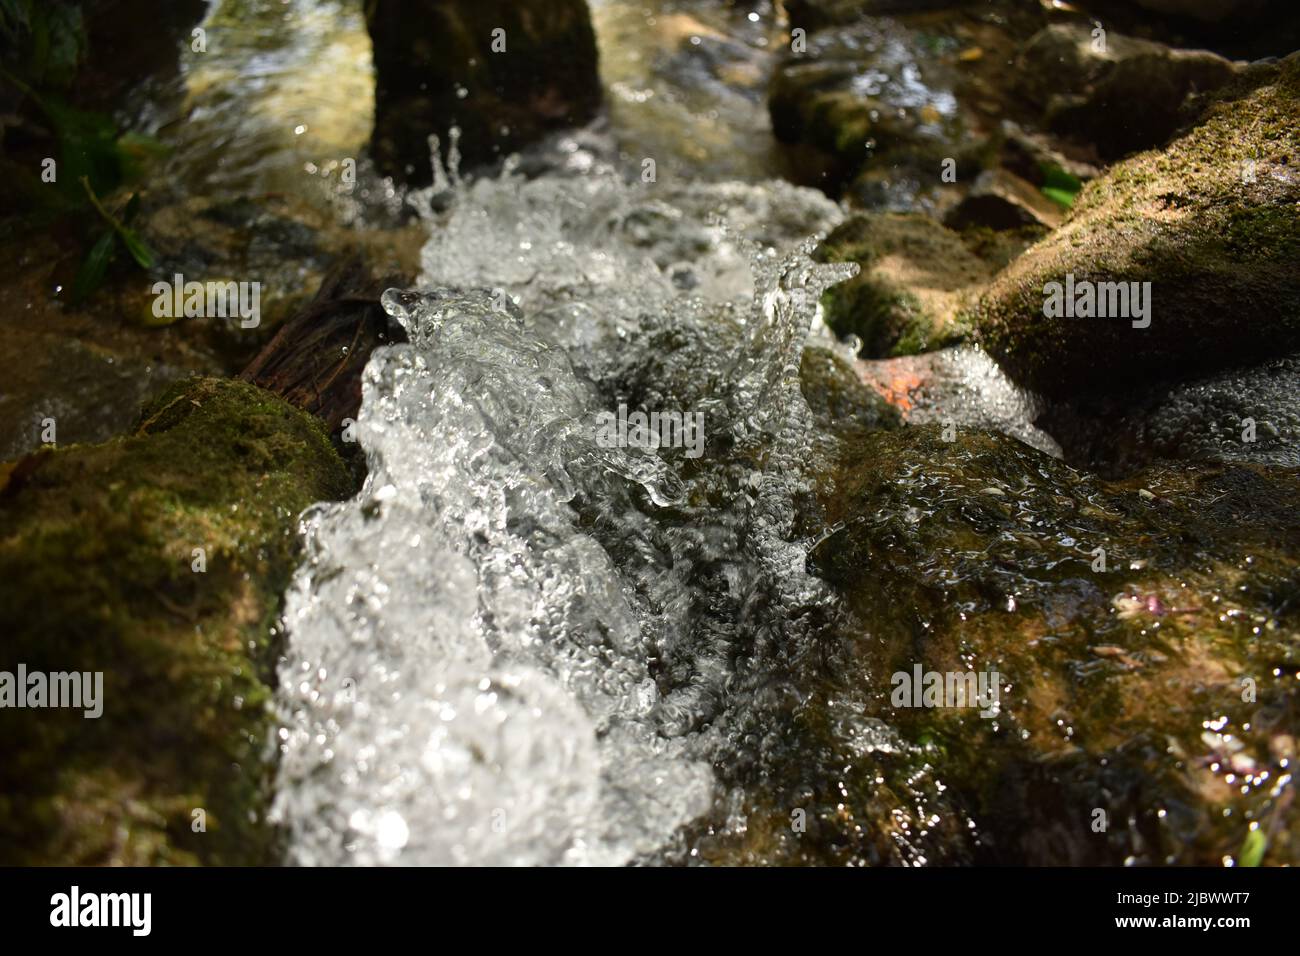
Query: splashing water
517	645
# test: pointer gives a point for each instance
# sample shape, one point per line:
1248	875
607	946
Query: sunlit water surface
517	645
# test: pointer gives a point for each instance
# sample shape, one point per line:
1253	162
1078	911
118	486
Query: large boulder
1212	223
157	560
504	72
1143	637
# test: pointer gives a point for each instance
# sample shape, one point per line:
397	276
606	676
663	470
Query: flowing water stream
520	643
546	636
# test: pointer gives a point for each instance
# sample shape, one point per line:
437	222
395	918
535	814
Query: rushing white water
516	646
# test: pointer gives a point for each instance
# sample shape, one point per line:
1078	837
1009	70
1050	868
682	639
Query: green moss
879	316
1263	231
978	554
915	338
96	555
1218	249
914	277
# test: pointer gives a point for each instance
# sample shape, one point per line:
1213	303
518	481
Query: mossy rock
1217	239
1160	689
839	400
916	277
97	561
439	63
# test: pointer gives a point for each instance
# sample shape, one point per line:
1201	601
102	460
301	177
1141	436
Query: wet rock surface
867	93
72	391
902	110
682	655
1241	415
838	398
89	369
1160	690
101	574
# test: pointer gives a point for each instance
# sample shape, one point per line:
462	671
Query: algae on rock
1157	684
158	559
1212	222
916	278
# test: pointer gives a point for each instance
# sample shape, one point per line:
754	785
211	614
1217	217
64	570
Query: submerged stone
1143	632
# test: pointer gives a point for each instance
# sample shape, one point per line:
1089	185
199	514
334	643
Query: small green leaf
1059	196
1060	186
1058	178
1252	850
138	248
93	267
